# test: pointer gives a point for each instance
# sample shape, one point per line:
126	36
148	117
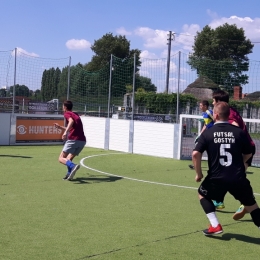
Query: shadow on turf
95	179
225	211
15	156
243	238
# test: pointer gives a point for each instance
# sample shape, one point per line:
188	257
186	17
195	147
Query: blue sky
63	28
59	29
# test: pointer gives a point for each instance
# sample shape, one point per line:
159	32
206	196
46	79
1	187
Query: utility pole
170	39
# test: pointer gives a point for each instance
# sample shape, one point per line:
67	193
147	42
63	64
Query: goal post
190	127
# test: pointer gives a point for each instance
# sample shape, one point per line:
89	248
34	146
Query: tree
50	83
2	92
20	90
37	94
56	81
44	85
63	83
145	83
122	63
109	44
221	55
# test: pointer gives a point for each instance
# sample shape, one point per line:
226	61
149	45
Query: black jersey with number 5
225	144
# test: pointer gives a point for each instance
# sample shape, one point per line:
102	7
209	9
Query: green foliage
50	83
109	45
63	83
221	55
162	103
20	90
3	92
129	88
242	104
144	83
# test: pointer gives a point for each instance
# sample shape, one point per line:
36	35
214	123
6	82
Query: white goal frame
183	117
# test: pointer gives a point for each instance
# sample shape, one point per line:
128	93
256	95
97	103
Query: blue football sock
70	164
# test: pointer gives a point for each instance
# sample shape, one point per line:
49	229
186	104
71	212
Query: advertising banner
38	129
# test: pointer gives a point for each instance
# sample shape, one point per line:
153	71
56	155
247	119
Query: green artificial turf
126	207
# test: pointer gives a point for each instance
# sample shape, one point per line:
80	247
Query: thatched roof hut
201	88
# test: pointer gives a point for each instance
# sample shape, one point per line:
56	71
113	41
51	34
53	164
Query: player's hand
56	125
64	136
198	177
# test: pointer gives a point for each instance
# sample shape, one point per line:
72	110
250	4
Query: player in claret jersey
75	139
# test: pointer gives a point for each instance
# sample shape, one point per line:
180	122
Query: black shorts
249	161
215	189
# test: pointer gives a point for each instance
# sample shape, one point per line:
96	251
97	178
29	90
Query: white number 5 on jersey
228	160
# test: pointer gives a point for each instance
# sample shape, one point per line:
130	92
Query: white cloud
158	39
148	55
184	40
212	14
153	38
22	51
250	26
75	44
123	31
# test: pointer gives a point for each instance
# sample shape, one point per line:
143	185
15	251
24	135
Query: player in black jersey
228	148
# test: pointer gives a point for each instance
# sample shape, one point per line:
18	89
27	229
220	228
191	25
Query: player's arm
246	157
235	123
69	126
203	129
196	159
59	126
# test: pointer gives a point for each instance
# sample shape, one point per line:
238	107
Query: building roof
201	88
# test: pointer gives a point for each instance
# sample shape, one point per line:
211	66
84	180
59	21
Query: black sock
207	205
255	214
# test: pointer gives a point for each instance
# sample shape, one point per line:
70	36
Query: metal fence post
133	94
110	83
15	56
68	88
107	126
131	123
178	90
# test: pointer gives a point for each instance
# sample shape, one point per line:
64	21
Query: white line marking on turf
132	179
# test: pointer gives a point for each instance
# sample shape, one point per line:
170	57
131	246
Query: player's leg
206	192
67	156
241	211
78	147
255	213
244	193
220	203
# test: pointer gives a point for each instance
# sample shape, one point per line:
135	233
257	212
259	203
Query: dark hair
222	109
205	103
220	95
68	104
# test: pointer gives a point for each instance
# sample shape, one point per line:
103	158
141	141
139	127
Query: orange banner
38	129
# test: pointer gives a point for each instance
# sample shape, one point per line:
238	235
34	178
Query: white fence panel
119	135
94	129
5	127
156	139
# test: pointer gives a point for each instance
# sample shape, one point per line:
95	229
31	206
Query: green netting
89	90
190	80
94	92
